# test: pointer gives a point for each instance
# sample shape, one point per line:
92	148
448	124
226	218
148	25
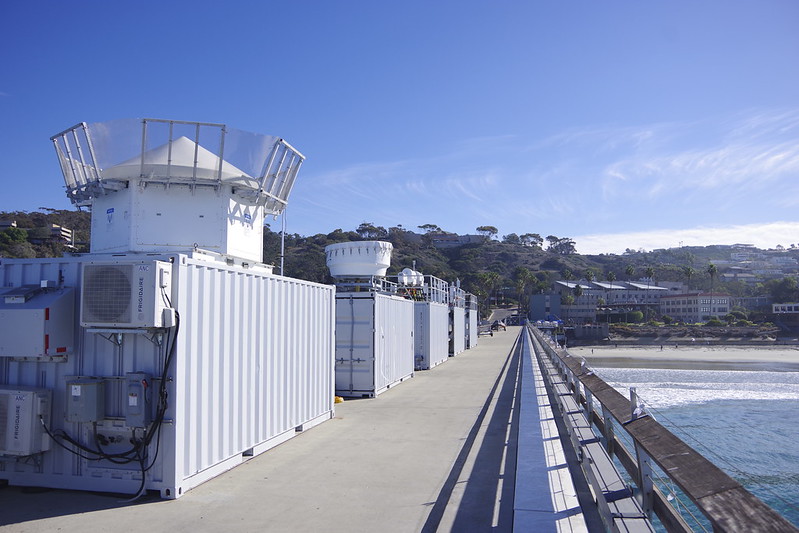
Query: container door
355	348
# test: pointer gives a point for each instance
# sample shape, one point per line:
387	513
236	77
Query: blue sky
621	124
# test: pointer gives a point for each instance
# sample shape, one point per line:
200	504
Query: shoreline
688	341
693	357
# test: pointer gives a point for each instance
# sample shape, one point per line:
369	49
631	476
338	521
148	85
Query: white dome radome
358	259
410	277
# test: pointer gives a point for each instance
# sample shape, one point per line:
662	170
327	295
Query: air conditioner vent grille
107	293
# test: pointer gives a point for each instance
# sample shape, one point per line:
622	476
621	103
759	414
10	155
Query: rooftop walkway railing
724	502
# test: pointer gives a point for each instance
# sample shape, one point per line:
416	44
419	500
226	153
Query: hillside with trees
509	267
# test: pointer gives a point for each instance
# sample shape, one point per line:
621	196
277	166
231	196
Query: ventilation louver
124	295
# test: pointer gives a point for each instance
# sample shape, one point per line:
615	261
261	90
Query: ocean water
746	422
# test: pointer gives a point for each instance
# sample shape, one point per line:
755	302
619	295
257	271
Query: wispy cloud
766	236
724	170
758	150
712	168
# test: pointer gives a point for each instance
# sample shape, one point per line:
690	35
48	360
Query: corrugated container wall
430	336
374	343
252	365
471	333
457	325
471	320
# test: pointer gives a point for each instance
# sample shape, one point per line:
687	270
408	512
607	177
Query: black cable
163	394
138	451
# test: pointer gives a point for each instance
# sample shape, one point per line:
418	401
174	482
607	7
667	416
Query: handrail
724	501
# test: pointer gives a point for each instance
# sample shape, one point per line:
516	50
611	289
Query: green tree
783	290
14	243
688	273
13	235
562	246
430	228
712	271
650	274
487	231
522	277
369	231
577	290
566	300
487	283
611	277
635	316
531	239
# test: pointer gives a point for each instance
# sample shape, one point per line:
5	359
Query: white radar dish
358	259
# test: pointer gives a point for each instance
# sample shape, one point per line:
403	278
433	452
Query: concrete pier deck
435	453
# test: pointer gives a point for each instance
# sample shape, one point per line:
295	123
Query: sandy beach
776	358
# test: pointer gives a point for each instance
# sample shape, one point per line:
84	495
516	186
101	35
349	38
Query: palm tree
487	282
523	277
688	272
630	271
712	271
611	277
650	273
566	300
577	291
568	276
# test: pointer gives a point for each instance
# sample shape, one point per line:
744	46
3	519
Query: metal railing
426	288
366	284
90	155
653	452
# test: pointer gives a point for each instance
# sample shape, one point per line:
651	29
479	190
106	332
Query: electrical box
22	412
85	400
37	323
137	413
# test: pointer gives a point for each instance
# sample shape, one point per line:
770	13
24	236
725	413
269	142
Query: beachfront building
545	307
786	314
583	310
785	308
605	299
695	307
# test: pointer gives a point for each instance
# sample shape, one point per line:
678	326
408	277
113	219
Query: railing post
589	405
608	436
645	485
576	388
644	481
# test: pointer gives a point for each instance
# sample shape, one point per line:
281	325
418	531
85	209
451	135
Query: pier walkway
435	453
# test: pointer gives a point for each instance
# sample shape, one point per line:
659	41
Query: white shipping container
374	342
431	320
252	365
457	332
471	328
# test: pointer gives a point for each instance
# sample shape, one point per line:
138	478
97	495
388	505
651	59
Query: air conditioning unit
125	294
22	411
